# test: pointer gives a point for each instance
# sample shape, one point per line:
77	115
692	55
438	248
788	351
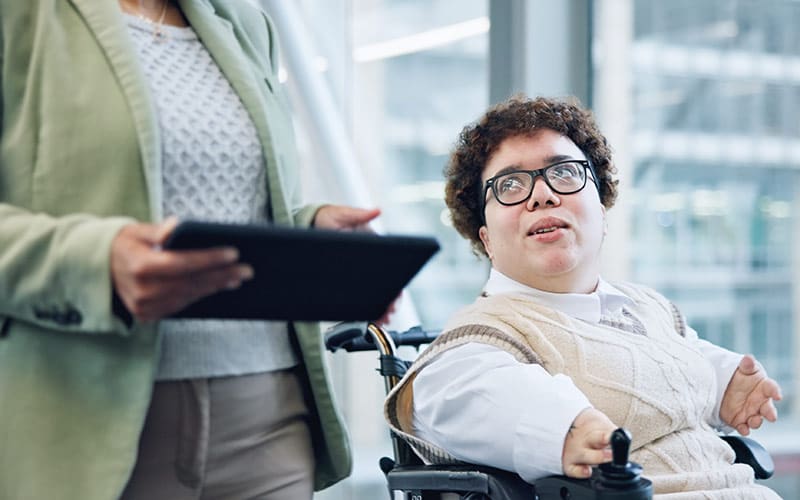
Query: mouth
545	230
548	225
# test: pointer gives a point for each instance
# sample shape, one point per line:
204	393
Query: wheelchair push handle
355	337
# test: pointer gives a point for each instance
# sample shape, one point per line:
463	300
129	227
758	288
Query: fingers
578	471
768	411
344	217
581	466
598	439
154	284
159	298
365	216
587	443
187	262
748	399
771	389
755	421
384	320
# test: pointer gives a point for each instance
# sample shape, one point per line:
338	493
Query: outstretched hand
748	400
344	218
588	443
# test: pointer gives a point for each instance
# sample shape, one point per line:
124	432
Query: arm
62	272
54	271
464	396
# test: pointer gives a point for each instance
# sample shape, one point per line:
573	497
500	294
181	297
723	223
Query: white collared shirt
469	399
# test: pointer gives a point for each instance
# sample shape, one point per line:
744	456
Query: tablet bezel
306	274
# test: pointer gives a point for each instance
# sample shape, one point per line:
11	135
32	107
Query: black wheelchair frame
405	472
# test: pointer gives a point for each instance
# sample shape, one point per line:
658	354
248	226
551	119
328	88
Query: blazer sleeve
54	271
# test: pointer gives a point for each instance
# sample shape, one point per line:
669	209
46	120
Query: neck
566	283
158	11
143	5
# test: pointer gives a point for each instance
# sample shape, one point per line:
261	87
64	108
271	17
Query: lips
547	225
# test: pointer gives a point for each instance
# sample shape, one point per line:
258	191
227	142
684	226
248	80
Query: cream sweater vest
658	386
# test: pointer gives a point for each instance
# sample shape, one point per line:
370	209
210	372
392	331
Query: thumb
163	230
748	365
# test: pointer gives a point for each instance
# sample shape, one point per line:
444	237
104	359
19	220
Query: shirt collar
604	301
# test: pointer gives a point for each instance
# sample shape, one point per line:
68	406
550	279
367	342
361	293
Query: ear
483	233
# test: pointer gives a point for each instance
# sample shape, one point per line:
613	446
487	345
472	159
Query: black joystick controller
619	474
615	480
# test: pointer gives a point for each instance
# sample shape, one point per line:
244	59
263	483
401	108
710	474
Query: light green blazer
79	158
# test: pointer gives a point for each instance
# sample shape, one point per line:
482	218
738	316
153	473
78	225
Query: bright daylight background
699	99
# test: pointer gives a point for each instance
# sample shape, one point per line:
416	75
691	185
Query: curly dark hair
518	116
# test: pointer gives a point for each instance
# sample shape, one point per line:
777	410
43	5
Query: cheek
594	221
504	224
500	230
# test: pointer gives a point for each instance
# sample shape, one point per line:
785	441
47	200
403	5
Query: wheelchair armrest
496	484
750	452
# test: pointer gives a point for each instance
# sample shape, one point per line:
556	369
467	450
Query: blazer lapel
105	20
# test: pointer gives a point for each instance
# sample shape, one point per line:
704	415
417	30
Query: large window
404	77
700	103
711	163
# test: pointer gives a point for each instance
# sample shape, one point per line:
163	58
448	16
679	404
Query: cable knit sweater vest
656	385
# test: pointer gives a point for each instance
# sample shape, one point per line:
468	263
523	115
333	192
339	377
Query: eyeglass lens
516	187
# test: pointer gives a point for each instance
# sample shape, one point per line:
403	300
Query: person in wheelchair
535	375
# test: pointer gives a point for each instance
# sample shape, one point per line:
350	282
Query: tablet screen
306	274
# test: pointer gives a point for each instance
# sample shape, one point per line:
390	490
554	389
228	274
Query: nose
542	196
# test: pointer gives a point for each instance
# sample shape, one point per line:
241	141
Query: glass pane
421	75
712	174
404	76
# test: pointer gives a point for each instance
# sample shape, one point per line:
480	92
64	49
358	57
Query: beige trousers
231	438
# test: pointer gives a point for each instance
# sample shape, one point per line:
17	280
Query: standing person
535	375
116	115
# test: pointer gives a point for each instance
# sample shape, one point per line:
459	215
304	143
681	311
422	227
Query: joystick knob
619	473
620	447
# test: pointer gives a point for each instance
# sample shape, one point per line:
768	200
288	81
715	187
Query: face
551	241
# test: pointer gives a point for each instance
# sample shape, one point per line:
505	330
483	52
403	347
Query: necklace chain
159	35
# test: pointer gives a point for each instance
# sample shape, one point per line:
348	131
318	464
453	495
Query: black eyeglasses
563	177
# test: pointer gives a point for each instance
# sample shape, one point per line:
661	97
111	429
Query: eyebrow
547	161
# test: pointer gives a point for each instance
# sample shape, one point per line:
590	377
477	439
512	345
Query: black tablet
306	274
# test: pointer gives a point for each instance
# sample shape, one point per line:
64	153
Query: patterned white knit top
212	169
